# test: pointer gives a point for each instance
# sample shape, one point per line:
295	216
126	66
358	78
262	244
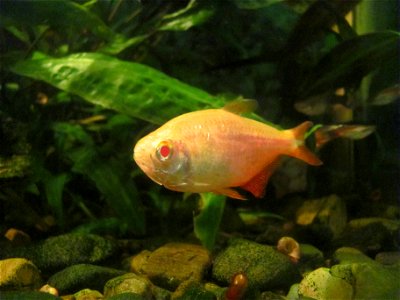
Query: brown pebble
289	247
17	237
49	289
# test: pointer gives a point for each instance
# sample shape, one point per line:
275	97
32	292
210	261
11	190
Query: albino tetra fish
217	150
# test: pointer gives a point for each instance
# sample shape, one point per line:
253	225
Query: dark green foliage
81	81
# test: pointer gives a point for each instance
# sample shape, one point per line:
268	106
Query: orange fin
230	193
257	184
301	151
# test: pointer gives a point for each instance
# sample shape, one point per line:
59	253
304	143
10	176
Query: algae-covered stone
215	289
88	294
58	252
348	255
78	277
293	293
174	263
271	296
19	273
26	295
138	261
321	284
388	258
370	280
192	290
127	296
370	235
264	267
129	283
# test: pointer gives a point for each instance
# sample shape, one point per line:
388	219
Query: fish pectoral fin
230	193
257	184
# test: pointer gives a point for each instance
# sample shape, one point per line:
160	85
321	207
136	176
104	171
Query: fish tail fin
301	151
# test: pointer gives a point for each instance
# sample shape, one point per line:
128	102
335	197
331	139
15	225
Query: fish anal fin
230	193
241	105
257	184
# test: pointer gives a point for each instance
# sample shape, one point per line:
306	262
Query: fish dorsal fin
241	105
257	184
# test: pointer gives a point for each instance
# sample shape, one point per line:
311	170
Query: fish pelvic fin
230	193
301	151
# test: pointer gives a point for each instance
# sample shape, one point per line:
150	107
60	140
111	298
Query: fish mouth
147	166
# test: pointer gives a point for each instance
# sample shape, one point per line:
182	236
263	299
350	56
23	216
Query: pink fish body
216	150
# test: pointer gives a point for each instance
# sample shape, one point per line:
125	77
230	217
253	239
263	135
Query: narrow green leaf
206	224
54	186
112	226
314	22
119	43
192	15
187	22
59	14
351	60
120	193
255	4
130	88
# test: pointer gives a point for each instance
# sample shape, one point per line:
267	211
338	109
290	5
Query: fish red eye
164	150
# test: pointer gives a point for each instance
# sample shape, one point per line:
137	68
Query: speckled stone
129	283
19	273
174	263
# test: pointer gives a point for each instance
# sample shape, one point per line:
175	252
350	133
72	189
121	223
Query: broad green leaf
54	186
129	88
206	224
351	60
59	14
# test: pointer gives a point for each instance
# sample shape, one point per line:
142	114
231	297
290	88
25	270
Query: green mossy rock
265	267
348	255
311	258
192	290
87	294
27	295
127	296
370	235
59	252
82	276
